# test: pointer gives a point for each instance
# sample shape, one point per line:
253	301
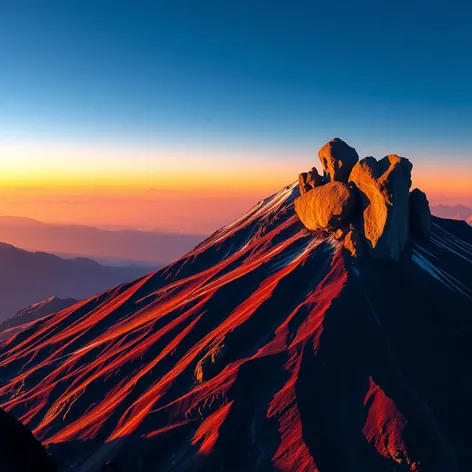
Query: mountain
107	246
27	277
455	212
266	348
35	311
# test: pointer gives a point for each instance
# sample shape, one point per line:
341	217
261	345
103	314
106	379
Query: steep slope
28	277
265	348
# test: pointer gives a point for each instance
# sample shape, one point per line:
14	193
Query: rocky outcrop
384	191
325	207
337	159
420	214
20	451
366	204
309	180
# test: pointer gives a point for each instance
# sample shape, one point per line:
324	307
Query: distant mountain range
454	212
27	277
114	247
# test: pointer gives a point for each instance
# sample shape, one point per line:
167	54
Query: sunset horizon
235	236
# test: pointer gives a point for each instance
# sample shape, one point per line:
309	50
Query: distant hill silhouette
107	246
27	277
33	312
454	212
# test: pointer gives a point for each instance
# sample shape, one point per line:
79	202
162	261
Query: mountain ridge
264	348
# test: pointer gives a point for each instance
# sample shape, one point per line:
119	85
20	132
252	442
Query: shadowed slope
262	349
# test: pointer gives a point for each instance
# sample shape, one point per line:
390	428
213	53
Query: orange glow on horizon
184	190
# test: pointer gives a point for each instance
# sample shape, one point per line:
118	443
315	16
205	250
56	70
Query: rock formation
384	189
337	159
309	180
375	209
325	207
420	214
20	451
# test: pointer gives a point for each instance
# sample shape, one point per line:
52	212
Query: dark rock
111	466
420	214
325	207
20	451
384	189
337	159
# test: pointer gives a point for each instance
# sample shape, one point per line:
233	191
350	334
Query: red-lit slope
262	349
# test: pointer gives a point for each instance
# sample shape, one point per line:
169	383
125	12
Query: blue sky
261	75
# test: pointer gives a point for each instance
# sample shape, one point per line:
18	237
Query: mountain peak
365	201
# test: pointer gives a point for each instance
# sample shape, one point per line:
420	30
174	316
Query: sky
179	116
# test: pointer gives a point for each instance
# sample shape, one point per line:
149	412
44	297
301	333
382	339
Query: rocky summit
366	202
337	159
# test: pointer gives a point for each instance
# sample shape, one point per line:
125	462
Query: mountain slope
27	277
265	348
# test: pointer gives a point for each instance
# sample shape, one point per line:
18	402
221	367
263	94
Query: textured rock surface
420	214
309	180
384	191
20	451
325	207
337	159
353	244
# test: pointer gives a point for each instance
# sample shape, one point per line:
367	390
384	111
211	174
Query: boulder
420	214
309	180
325	207
337	159
384	192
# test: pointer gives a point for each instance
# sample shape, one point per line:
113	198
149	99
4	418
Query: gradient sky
179	115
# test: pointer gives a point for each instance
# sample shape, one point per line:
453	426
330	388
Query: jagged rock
353	244
420	214
20	451
309	180
337	159
384	191
325	207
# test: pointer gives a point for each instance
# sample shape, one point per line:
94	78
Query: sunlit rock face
337	159
325	207
310	180
366	204
384	191
420	214
353	244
